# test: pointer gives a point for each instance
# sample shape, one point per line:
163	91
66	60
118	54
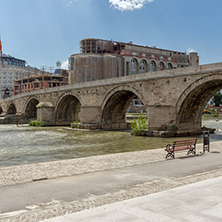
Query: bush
32	123
139	126
214	114
173	128
36	123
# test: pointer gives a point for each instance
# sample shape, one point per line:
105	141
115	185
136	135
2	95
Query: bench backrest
181	143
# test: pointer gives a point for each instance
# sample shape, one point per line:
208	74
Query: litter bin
206	141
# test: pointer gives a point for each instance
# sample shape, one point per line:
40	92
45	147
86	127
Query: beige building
102	59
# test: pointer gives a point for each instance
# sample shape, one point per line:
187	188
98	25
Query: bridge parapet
192	70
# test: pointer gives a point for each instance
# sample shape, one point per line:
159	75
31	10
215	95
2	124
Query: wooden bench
189	145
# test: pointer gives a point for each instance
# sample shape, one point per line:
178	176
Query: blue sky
45	31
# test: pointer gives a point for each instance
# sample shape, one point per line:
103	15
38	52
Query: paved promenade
200	201
94	186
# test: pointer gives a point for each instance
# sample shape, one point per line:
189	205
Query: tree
58	64
217	98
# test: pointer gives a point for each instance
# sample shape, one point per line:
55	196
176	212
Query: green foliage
168	128
173	128
58	64
36	123
32	123
163	128
76	124
139	126
217	98
214	114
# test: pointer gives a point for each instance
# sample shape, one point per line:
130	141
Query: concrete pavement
200	201
110	182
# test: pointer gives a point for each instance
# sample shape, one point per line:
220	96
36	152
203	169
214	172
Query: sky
42	32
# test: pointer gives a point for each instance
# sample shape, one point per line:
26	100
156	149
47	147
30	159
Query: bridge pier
90	114
46	113
161	117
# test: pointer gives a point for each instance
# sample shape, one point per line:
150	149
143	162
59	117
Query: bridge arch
31	109
190	105
1	110
11	109
67	109
116	103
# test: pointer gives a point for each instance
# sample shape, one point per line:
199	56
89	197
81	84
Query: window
71	63
170	66
134	66
161	66
143	66
152	66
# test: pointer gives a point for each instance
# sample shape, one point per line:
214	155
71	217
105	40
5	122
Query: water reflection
24	144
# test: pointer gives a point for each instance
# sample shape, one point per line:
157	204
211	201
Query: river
25	145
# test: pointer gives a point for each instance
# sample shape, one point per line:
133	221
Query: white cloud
69	3
125	5
65	64
189	50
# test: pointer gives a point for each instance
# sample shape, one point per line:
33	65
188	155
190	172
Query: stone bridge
172	98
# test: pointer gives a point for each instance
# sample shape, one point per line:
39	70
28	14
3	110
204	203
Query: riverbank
48	170
27	145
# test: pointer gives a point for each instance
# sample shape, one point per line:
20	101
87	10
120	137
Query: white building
14	69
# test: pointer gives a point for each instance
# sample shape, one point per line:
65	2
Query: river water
24	144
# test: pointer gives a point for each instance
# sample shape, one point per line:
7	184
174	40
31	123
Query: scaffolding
100	46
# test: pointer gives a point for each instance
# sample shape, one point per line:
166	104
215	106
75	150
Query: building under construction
102	59
35	82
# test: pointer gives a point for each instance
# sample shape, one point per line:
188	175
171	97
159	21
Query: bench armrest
169	147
